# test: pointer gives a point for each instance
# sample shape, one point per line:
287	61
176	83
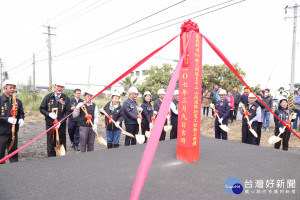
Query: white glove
117	124
250	123
155	112
21	122
12	120
79	105
281	130
140	109
58	125
150	125
220	120
139	120
293	116
53	116
95	127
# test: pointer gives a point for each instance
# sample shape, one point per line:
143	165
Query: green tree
222	76
5	76
127	83
158	78
256	88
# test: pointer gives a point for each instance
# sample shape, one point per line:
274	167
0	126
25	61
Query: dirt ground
35	125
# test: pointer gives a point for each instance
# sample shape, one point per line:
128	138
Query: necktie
56	100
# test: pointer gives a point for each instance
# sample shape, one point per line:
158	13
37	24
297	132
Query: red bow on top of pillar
189	26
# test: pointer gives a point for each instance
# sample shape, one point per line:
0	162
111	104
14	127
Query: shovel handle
105	113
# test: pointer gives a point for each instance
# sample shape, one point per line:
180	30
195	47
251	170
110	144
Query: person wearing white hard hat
174	115
73	125
86	130
157	103
61	101
284	114
223	107
131	116
7	119
147	113
115	111
253	111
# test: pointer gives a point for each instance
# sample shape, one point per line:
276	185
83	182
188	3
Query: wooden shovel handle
105	113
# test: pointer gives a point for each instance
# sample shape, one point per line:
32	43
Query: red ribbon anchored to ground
155	133
108	86
226	61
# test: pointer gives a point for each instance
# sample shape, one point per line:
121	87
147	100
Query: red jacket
231	101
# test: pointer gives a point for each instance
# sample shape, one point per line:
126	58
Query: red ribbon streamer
152	142
88	118
216	112
108	86
55	122
152	119
246	113
13	112
226	61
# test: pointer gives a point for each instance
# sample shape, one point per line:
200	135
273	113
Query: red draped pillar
190	89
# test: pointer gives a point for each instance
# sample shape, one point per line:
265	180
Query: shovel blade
101	140
140	138
128	134
274	139
11	144
253	132
166	128
60	150
224	128
147	133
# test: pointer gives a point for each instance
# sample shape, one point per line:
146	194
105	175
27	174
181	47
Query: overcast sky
253	33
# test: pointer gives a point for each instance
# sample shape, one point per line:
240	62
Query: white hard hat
222	92
89	91
252	95
133	90
176	92
115	93
161	91
60	83
147	93
10	82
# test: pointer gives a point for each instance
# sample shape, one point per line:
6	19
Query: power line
119	29
156	29
76	16
64	12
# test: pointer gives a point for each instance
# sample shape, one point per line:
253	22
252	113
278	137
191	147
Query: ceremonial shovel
222	126
98	137
250	128
168	128
59	149
139	137
123	131
13	126
148	133
274	139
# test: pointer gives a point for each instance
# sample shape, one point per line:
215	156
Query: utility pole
89	76
49	55
293	51
33	66
292	81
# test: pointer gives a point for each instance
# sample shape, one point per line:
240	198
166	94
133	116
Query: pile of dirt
35	125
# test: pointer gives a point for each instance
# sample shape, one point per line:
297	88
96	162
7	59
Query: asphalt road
110	174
